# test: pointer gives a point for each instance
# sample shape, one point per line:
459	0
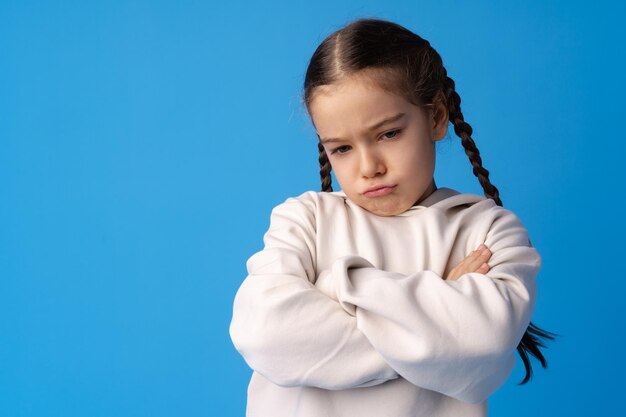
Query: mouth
379	190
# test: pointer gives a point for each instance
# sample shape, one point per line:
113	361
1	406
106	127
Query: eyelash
396	131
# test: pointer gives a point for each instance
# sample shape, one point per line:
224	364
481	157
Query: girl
371	300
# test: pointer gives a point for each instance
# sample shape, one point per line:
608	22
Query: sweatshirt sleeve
454	337
288	330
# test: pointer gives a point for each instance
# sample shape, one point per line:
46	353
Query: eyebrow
372	127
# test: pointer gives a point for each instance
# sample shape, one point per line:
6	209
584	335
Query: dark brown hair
403	63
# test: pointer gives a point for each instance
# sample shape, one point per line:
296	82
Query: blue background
144	143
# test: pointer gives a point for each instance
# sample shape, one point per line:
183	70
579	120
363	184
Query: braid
464	131
325	169
530	341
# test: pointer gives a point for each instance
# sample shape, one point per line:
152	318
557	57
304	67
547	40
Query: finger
465	266
471	263
452	274
470	259
479	258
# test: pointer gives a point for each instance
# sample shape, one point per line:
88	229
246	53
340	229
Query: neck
431	189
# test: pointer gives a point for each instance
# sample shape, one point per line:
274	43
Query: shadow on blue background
143	145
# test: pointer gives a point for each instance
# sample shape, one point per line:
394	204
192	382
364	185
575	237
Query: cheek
343	171
414	159
423	148
409	153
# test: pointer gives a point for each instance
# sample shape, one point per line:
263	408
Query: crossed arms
358	326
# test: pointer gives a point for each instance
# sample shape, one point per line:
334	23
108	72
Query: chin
390	205
382	210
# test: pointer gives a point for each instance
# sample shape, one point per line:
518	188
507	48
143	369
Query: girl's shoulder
310	203
315	198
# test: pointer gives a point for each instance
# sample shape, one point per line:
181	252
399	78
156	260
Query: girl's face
380	146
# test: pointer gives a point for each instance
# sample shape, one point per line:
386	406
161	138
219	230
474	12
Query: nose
371	163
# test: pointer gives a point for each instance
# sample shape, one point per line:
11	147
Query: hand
474	262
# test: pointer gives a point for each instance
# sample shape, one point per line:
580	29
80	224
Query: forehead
353	104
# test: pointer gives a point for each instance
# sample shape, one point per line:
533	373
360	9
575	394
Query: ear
440	118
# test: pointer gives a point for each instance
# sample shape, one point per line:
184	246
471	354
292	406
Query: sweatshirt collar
435	197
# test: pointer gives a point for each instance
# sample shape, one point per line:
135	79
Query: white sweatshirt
346	313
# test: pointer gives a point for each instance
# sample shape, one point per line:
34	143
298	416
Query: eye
393	134
341	149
